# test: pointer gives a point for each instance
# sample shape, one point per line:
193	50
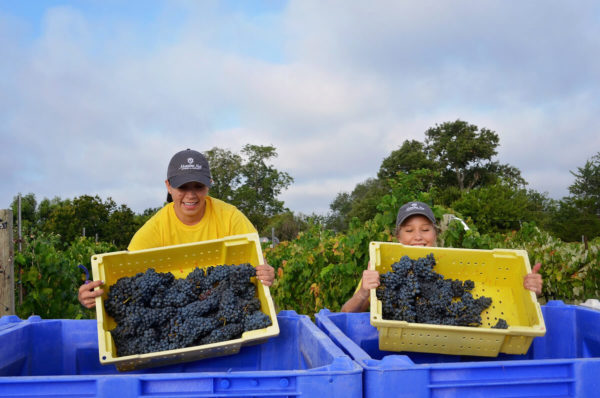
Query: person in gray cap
190	215
416	226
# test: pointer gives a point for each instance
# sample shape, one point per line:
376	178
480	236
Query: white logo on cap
190	165
414	206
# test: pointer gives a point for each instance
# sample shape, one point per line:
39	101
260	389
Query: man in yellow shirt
189	216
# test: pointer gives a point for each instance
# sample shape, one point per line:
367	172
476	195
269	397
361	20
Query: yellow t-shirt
165	229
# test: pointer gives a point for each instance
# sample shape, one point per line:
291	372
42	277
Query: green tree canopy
587	183
578	215
285	226
69	217
360	203
573	220
249	181
461	150
410	156
495	208
459	156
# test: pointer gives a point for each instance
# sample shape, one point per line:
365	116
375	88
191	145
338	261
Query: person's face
189	200
417	231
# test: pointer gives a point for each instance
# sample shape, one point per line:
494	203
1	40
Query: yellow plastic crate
497	274
180	260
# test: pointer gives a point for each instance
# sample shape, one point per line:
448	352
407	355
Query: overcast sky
97	95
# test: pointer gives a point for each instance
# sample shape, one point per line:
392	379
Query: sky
97	95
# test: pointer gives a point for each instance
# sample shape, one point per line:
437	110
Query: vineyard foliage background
320	259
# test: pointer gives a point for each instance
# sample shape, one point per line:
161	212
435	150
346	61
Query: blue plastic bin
59	358
563	363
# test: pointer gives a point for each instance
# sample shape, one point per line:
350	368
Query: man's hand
265	274
87	295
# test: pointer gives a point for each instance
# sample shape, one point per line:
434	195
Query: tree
410	156
68	218
495	208
459	157
541	208
574	220
579	214
587	183
463	155
45	209
249	181
361	203
120	227
286	226
225	168
337	219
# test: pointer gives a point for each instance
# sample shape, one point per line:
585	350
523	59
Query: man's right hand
87	295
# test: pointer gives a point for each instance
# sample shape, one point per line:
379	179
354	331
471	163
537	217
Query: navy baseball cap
188	166
412	208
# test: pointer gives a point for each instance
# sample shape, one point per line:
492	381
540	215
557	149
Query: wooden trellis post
7	285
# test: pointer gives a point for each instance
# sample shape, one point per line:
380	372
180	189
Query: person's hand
87	295
370	280
265	274
534	280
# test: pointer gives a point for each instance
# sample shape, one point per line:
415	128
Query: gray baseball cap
188	166
412	208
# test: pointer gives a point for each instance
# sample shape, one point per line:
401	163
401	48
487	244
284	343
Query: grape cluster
414	292
155	311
